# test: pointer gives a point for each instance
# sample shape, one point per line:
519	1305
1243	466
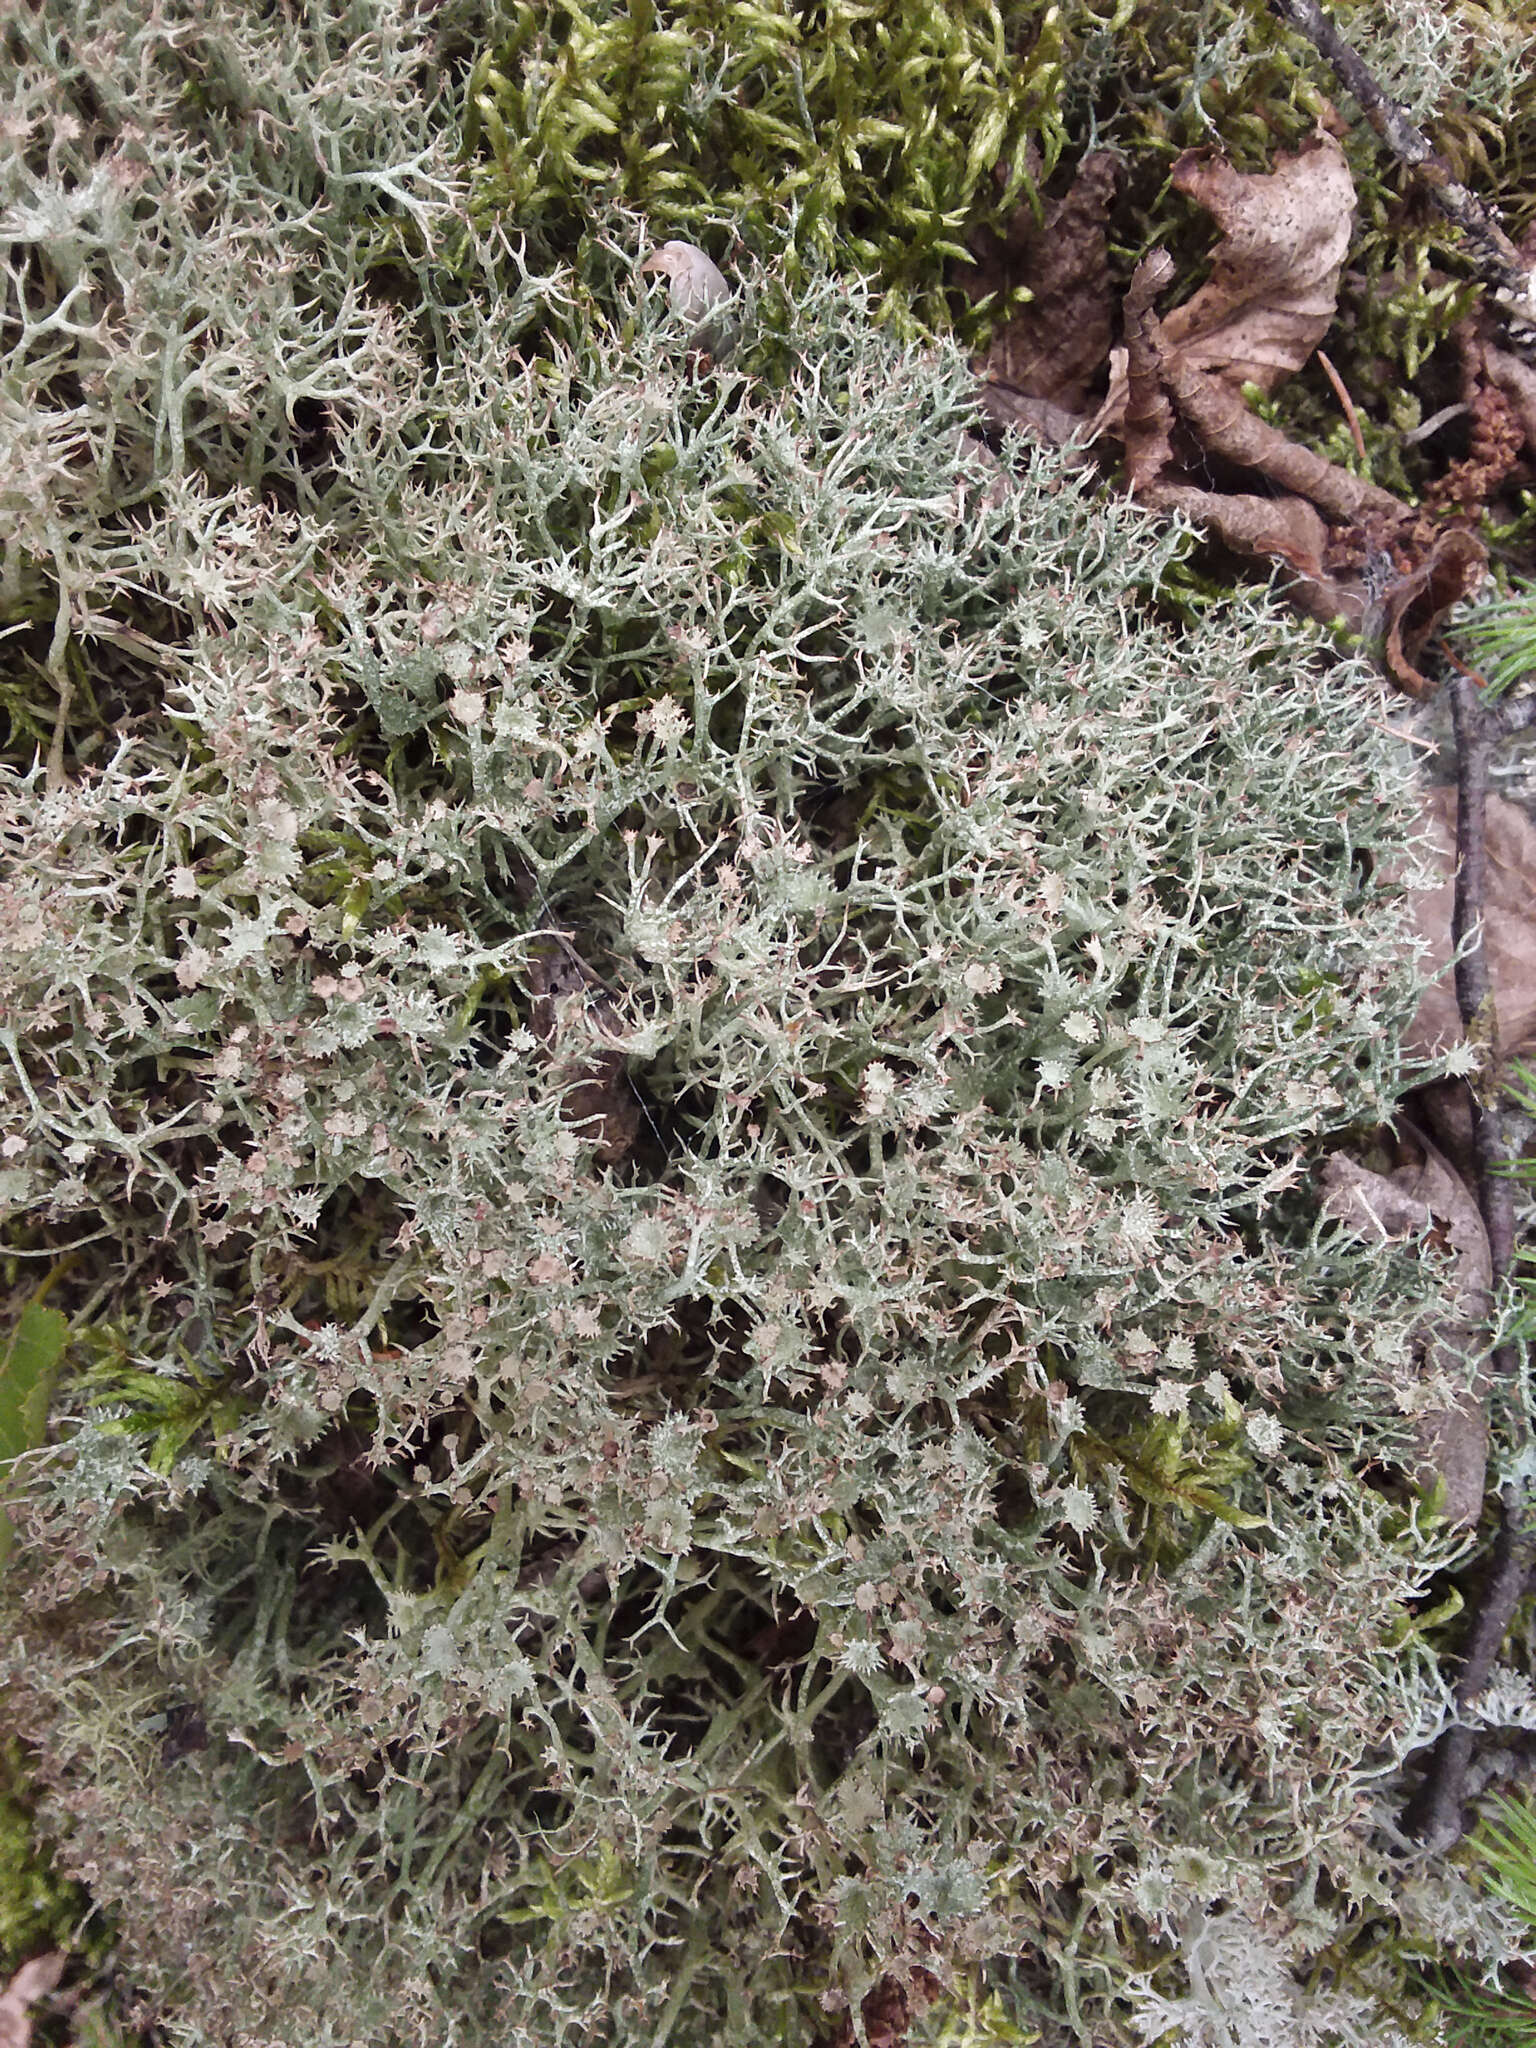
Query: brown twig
1342	395
1474	989
1494	256
1435	1813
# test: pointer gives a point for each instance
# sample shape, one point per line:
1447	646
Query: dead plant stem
1435	1814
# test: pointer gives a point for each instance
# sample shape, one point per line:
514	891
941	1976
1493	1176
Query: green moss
39	1910
885	137
872	133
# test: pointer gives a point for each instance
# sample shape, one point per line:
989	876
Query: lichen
678	1037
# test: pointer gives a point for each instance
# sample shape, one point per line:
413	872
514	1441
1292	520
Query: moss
872	133
890	138
39	1909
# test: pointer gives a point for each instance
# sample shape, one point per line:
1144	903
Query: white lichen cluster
675	1052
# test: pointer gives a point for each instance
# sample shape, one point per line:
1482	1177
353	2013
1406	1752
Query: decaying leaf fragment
1176	396
1054	348
1509	928
1139	408
599	1096
1223	425
1274	284
1164	403
1179	384
1414	606
1427	1194
34	1980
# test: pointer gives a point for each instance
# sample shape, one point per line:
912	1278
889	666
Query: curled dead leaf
1284	530
1414	606
1509	928
1163	397
34	1980
1176	399
1176	391
1426	1194
1273	289
1225	426
1140	410
1274	284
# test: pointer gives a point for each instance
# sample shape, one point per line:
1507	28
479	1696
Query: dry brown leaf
1038	418
1285	530
1274	284
579	1023
1224	426
1426	1193
1161	396
1158	397
1175	397
1273	289
1175	394
1509	928
34	1980
1138	409
1055	347
1415	605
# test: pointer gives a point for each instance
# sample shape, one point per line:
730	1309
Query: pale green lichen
680	1046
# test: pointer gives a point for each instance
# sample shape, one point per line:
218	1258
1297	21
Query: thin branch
1435	422
1435	1813
1494	256
1341	393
